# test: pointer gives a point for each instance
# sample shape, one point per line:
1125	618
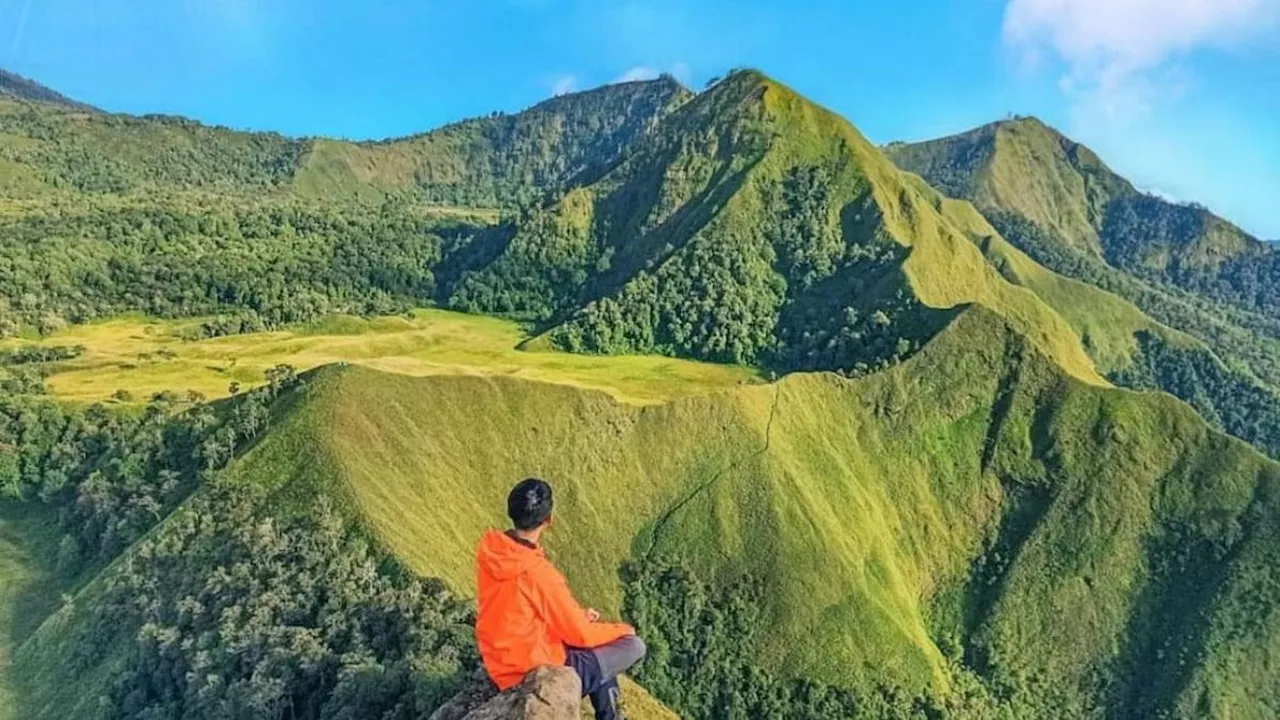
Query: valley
141	357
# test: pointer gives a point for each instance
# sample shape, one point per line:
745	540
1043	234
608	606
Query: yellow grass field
143	356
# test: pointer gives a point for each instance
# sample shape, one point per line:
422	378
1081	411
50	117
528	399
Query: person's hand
592	615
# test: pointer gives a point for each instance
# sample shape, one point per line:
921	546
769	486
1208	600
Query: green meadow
142	356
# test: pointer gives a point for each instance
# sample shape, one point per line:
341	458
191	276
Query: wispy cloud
679	70
1120	56
564	84
19	32
639	72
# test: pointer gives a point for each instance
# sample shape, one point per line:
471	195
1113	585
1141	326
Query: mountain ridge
13	85
942	455
1025	167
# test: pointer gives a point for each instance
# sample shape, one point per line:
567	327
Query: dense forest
275	263
1181	245
295	615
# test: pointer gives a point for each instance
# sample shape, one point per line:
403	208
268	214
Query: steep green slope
972	529
1026	168
1055	200
882	511
1026	177
752	226
975	495
29	589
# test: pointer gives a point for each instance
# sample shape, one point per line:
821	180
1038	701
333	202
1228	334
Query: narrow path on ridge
768	437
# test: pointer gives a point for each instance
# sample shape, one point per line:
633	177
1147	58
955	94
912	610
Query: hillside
16	86
752	226
936	520
1057	201
500	160
1028	169
1056	198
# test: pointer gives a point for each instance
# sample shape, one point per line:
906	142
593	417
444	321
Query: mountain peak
16	86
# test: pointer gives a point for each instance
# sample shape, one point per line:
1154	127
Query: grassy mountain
937	521
752	226
1026	168
1029	179
500	160
108	213
1057	201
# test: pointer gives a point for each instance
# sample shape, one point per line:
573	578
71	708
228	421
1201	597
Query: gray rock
546	693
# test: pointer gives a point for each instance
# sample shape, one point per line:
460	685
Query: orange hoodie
527	614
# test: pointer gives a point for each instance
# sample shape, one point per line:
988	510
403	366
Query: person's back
528	617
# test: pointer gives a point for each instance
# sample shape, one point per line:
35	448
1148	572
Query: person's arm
568	620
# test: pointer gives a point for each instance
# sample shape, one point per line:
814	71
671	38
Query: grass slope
703	242
29	589
952	509
496	160
1028	178
972	497
1057	201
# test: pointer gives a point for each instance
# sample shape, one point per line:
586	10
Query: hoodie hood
502	558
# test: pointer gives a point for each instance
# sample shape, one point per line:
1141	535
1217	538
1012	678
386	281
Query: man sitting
528	617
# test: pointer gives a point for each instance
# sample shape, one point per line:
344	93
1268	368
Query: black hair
529	504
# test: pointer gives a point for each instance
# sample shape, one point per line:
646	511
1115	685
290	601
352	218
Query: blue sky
1181	96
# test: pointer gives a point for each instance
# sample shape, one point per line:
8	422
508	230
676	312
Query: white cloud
1121	55
639	72
1163	195
564	85
679	70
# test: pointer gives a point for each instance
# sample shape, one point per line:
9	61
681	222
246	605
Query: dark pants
599	669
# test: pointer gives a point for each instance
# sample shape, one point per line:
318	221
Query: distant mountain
498	160
501	160
13	85
1027	170
1057	201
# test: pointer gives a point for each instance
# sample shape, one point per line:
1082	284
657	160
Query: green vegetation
497	161
964	520
936	520
1055	200
29	586
141	357
1024	168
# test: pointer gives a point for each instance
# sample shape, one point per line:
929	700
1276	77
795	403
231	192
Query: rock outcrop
546	693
